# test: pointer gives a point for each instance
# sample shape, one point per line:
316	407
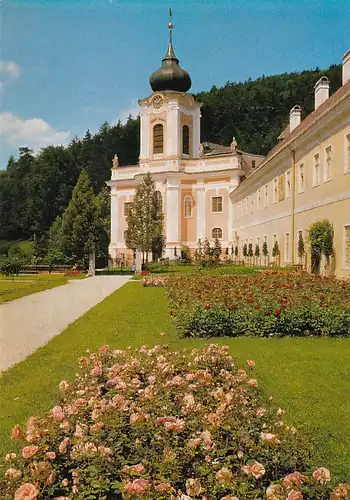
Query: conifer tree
276	251
301	246
145	220
265	251
236	252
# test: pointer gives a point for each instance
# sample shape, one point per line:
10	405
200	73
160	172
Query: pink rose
193	487
16	433
260	412
63	385
10	456
251	363
137	487
269	438
164	487
63	446
13	474
340	492
97	370
295	479
138	468
29	451
321	475
57	414
104	350
65	482
252	382
255	469
192	443
51	455
242	373
224	475
26	492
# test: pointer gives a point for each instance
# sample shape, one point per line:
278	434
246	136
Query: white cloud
34	133
9	70
133	110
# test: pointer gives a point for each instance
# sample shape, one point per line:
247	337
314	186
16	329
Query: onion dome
170	76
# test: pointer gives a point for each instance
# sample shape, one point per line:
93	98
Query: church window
216	204
347	246
301	177
185	140
127	208
275	190
253	163
316	173
288	184
188	207
286	248
158	138
347	154
216	233
328	163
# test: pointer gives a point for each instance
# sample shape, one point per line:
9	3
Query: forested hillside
34	189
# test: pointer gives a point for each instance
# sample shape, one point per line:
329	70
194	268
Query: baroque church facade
213	191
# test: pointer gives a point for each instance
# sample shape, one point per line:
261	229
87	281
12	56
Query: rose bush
263	304
159	424
154	281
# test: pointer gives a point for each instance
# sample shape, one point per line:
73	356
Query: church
213	191
193	179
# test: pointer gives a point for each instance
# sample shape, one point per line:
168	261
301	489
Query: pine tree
245	250
216	252
80	223
206	249
301	246
276	251
236	252
257	253
145	220
265	251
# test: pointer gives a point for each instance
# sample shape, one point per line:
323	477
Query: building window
252	204
301	178
288	184
188	207
253	164
275	190
216	233
258	196
347	246
127	208
286	248
266	197
158	138
347	154
316	174
216	204
185	140
328	163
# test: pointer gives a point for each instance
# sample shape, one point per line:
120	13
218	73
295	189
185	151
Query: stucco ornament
157	101
201	150
115	161
234	145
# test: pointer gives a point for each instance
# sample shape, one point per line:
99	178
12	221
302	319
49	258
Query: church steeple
170	76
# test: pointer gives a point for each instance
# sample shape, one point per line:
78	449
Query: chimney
346	67
294	118
321	91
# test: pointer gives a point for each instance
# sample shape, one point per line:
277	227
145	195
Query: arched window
185	140
158	138
216	233
188	206
159	199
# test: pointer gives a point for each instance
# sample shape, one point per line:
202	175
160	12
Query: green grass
14	288
309	378
26	246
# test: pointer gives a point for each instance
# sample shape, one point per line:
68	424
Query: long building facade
213	191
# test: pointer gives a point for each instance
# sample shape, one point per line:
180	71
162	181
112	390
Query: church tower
170	118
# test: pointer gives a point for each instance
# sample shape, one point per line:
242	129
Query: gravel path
31	321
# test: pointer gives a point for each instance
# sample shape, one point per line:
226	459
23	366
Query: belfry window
158	138
185	140
188	207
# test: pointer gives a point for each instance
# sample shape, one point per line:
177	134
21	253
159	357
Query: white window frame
258	200
286	247
288	188
275	190
345	265
327	178
222	233
125	203
222	204
301	184
266	195
188	197
347	153
316	181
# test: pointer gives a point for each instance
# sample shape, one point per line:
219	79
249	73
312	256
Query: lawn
14	288
309	378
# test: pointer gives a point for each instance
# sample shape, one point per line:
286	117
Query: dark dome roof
170	76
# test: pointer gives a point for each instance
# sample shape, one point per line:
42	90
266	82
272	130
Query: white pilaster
234	181
172	215
114	223
201	208
196	133
144	135
173	137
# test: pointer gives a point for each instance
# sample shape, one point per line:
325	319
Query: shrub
264	304
160	424
153	281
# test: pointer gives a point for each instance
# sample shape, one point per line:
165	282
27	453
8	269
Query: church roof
170	76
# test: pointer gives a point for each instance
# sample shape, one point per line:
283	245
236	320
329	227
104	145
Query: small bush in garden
159	424
153	281
269	303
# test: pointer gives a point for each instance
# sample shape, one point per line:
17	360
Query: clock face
157	101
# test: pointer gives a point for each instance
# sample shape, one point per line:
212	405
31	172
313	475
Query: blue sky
69	65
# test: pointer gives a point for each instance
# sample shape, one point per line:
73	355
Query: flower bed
260	305
154	281
159	424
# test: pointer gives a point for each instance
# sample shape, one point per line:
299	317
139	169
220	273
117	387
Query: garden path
29	322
